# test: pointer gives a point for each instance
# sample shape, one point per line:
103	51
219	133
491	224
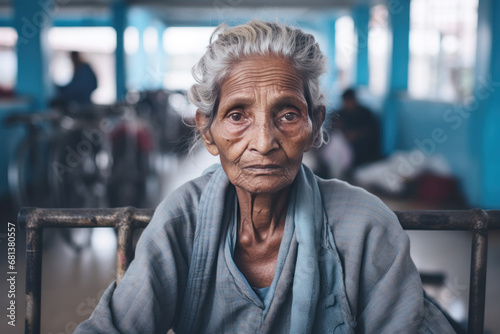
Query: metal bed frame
127	219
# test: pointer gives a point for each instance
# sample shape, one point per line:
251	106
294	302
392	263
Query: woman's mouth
263	168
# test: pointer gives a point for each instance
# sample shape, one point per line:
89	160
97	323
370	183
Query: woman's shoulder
348	206
366	232
184	199
177	212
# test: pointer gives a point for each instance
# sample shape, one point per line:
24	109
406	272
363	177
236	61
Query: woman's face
262	127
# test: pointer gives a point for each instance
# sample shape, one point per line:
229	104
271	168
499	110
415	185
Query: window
182	56
442	49
131	37
378	49
8	59
345	51
150	40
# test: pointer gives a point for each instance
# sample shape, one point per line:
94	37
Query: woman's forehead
262	72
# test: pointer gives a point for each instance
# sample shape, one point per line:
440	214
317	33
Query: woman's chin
265	184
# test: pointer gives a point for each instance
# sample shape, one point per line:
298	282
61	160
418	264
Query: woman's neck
260	229
261	216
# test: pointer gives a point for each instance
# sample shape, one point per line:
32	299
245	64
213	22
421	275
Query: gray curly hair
228	46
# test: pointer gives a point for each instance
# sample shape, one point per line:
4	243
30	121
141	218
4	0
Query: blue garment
343	267
261	292
81	86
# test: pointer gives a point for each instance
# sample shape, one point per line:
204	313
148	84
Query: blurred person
354	140
6	92
132	144
81	86
360	128
259	244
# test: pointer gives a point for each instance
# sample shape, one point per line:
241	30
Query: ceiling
230	3
212	12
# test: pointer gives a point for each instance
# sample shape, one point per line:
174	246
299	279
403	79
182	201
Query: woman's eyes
236	117
289	117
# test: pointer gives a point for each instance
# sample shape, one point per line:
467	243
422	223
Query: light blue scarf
308	220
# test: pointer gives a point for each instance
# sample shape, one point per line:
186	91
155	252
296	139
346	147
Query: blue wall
437	128
486	129
466	134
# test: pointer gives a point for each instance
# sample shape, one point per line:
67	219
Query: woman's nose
263	138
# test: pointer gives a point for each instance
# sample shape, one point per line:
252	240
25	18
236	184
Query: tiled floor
73	282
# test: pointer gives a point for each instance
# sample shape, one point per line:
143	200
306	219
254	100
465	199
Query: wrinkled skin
261	131
262	127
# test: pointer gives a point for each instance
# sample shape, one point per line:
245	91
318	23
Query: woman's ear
321	118
317	122
201	124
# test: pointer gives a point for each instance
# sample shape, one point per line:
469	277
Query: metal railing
127	219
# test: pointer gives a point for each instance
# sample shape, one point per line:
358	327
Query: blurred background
93	113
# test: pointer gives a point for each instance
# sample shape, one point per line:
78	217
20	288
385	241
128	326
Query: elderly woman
260	244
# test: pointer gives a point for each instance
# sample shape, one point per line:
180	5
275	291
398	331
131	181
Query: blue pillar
32	19
156	67
137	62
484	136
119	22
399	18
361	18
